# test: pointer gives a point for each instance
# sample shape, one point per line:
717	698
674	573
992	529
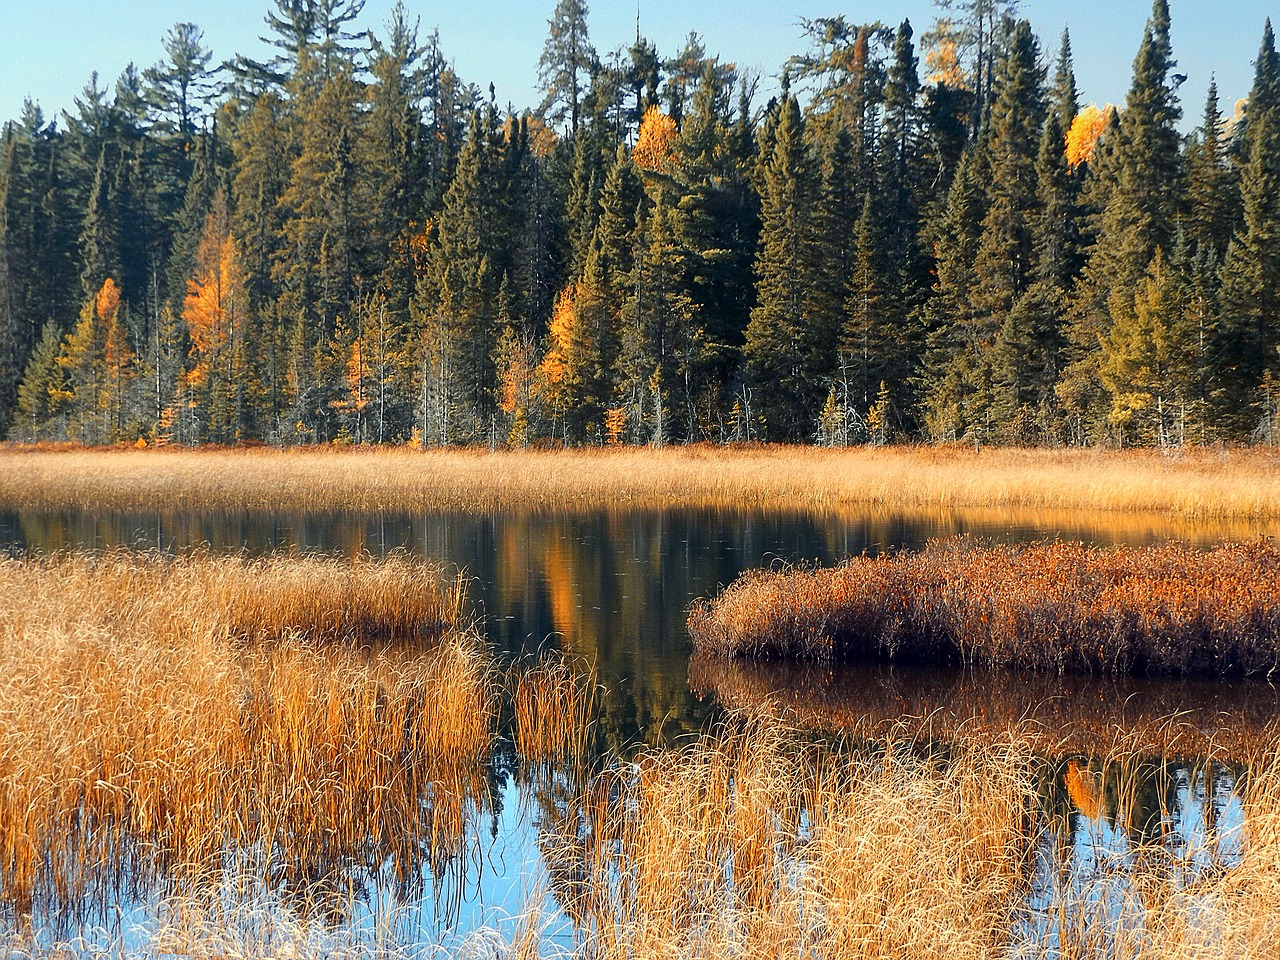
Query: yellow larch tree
215	311
656	142
1086	130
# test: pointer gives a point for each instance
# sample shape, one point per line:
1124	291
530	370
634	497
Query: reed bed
1072	715
554	707
1055	606
747	844
1223	486
164	724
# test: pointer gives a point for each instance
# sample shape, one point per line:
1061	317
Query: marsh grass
169	721
1056	606
1218	486
554	709
748	843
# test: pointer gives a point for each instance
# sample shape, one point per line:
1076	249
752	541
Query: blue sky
49	48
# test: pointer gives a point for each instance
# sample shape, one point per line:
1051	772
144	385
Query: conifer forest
921	234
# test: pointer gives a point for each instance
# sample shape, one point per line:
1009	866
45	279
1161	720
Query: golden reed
1241	487
1056	606
158	715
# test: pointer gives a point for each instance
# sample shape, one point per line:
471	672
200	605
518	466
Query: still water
611	590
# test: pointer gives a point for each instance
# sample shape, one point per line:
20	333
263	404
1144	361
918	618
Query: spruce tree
567	59
948	314
1139	179
791	342
1212	196
1251	273
456	301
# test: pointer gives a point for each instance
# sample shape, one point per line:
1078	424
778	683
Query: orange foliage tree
573	376
215	311
99	365
1086	130
656	142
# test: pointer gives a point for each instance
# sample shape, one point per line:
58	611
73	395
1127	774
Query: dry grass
1047	606
1160	910
1235	486
554	708
746	845
171	721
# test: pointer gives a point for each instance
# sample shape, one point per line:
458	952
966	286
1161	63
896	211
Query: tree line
348	242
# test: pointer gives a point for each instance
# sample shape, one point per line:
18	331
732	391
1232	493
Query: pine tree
1137	190
323	238
972	32
43	393
660	332
1064	97
456	300
709	203
1005	261
1138	356
566	57
180	88
97	360
390	158
1212	196
871	351
949	312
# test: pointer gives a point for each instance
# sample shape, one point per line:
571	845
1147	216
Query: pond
611	590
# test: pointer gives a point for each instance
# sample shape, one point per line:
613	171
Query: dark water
612	588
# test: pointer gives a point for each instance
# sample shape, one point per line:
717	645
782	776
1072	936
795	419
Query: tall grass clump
167	723
553	706
747	843
1150	900
1052	606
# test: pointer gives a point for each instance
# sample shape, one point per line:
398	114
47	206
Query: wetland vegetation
1211	487
1044	606
199	741
266	721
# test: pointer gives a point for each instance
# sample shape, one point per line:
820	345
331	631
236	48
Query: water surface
611	588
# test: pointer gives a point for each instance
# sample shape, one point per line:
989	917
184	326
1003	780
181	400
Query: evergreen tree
1138	356
1251	273
790	342
1064	97
1212	196
457	298
659	329
871	350
567	58
709	187
1139	179
323	242
43	393
390	158
946	386
180	88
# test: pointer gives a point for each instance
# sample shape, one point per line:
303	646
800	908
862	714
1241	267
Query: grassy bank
1240	487
1048	606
